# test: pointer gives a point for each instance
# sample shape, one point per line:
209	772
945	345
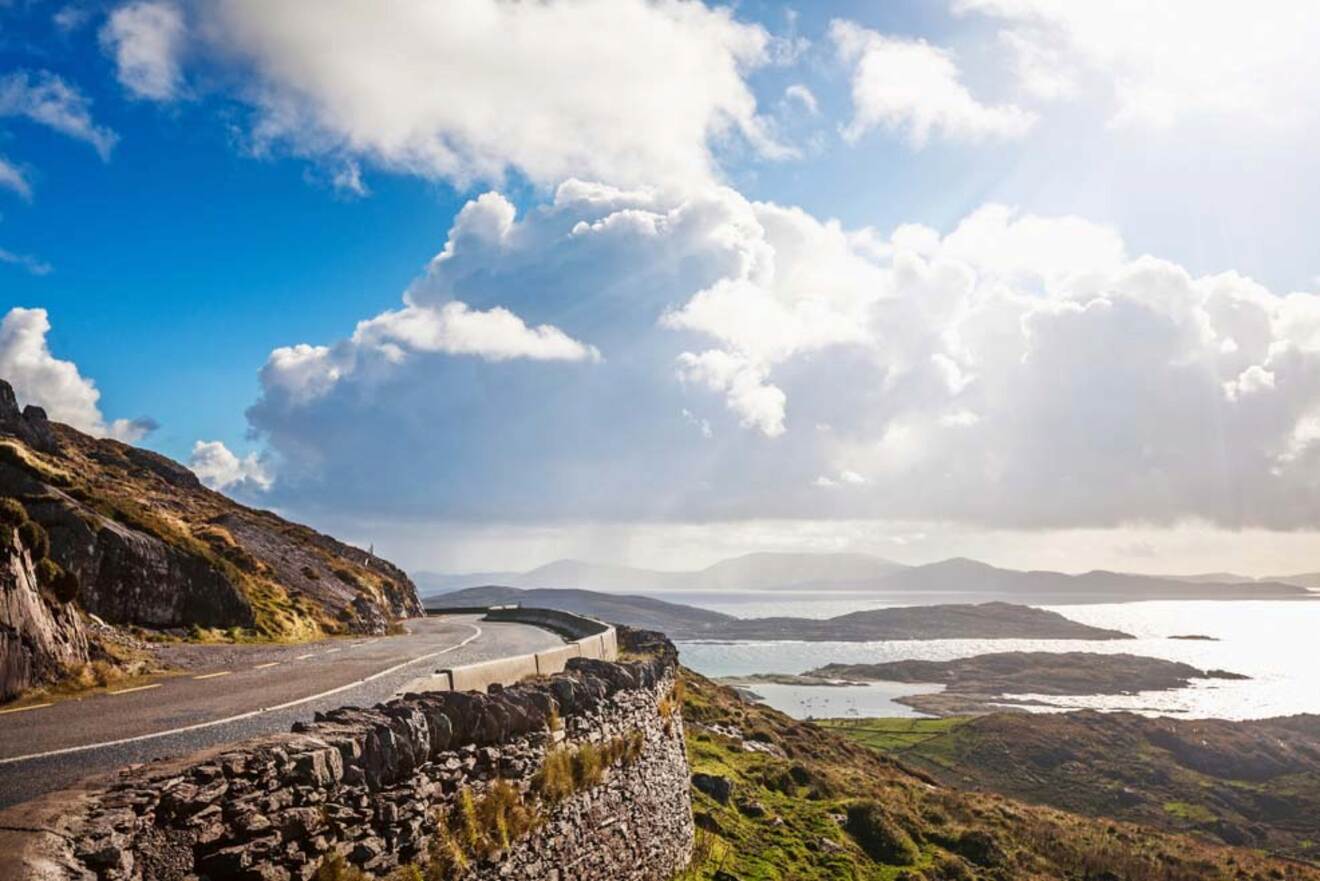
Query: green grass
892	734
1189	812
835	810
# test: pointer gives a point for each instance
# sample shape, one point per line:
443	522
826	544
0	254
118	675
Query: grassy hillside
1253	783
150	545
777	799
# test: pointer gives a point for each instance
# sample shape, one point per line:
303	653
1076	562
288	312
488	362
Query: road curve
237	692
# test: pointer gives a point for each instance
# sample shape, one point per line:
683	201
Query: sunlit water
1276	643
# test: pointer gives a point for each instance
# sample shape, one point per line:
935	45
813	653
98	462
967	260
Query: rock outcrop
150	545
41	638
375	787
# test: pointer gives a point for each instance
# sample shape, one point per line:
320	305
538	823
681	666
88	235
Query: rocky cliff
150	545
41	637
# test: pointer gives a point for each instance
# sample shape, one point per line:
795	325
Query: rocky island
987	683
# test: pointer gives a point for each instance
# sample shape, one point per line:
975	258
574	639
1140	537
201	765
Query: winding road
234	692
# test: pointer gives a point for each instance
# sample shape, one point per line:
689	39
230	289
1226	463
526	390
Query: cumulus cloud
1165	62
1015	370
146	39
758	404
48	100
468	91
38	377
913	87
220	469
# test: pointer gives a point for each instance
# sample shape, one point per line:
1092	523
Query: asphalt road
229	693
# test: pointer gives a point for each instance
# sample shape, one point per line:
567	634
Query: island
987	683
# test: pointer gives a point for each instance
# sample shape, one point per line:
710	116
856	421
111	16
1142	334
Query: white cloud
71	17
46	99
456	329
1165	62
802	96
465	91
220	469
25	261
1016	371
38	377
911	86
758	404
14	179
426	325
146	38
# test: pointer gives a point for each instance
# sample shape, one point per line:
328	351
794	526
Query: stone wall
370	784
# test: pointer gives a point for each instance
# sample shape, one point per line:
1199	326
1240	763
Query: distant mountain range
765	571
863	572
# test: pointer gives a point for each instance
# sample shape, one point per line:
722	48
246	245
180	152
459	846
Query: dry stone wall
370	785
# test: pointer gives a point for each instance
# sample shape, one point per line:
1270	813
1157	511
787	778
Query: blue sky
194	190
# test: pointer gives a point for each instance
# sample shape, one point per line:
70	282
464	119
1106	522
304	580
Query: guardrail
586	638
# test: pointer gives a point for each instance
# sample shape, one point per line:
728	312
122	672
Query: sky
489	284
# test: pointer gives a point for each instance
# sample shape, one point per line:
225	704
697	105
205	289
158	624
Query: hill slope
634	611
1255	783
775	798
150	545
678	621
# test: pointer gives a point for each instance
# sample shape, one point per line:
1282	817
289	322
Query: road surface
234	692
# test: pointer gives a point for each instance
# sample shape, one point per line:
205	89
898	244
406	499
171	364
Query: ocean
1276	643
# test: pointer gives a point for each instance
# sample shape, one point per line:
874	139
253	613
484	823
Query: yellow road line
135	688
264	666
24	709
213	675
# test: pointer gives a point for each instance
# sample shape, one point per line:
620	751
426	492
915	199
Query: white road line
267	664
213	675
331	651
135	688
248	715
24	709
306	656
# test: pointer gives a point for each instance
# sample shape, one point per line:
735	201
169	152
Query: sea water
1275	642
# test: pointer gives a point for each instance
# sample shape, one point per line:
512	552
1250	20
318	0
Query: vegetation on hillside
1249	783
777	799
294	583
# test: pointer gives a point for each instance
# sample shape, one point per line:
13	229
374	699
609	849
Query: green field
892	734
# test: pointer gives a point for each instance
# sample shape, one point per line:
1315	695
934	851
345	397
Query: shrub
879	836
588	767
65	586
553	782
34	538
12	513
476	828
47	571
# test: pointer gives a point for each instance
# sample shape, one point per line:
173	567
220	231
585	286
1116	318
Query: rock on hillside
41	636
150	545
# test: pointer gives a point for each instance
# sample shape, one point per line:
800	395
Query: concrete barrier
586	638
553	660
503	671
